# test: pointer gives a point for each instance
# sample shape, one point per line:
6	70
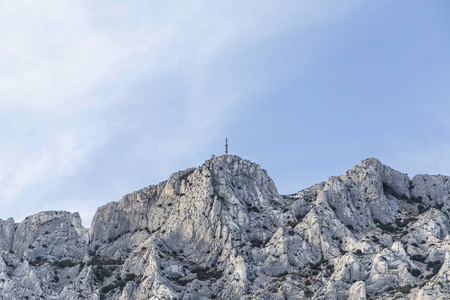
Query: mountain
222	231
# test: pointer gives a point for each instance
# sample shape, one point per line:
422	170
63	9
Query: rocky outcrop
7	230
223	231
39	254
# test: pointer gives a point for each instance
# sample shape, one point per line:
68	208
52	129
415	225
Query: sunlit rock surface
222	231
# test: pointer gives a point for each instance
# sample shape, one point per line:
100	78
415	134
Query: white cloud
68	68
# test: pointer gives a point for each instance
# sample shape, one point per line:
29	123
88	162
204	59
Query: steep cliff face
37	252
222	231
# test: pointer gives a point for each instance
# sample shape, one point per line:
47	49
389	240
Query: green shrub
98	261
100	273
418	257
406	289
416	199
255	209
317	264
358	252
67	263
206	274
108	288
130	276
439	206
180	281
436	265
308	293
257	243
387	227
422	208
293	224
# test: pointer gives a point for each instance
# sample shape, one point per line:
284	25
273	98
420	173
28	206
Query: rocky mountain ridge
222	231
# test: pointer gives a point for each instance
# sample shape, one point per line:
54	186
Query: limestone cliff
222	231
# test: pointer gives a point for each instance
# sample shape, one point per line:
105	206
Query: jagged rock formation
222	231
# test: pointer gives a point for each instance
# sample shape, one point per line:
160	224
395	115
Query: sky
102	98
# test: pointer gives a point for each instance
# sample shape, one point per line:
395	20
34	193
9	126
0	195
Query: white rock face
7	229
358	291
222	231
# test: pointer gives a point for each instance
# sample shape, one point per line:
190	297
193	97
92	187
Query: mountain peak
221	230
370	162
227	159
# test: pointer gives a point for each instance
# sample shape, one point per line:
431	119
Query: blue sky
99	100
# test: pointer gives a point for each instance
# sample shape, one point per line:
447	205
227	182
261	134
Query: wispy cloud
78	76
